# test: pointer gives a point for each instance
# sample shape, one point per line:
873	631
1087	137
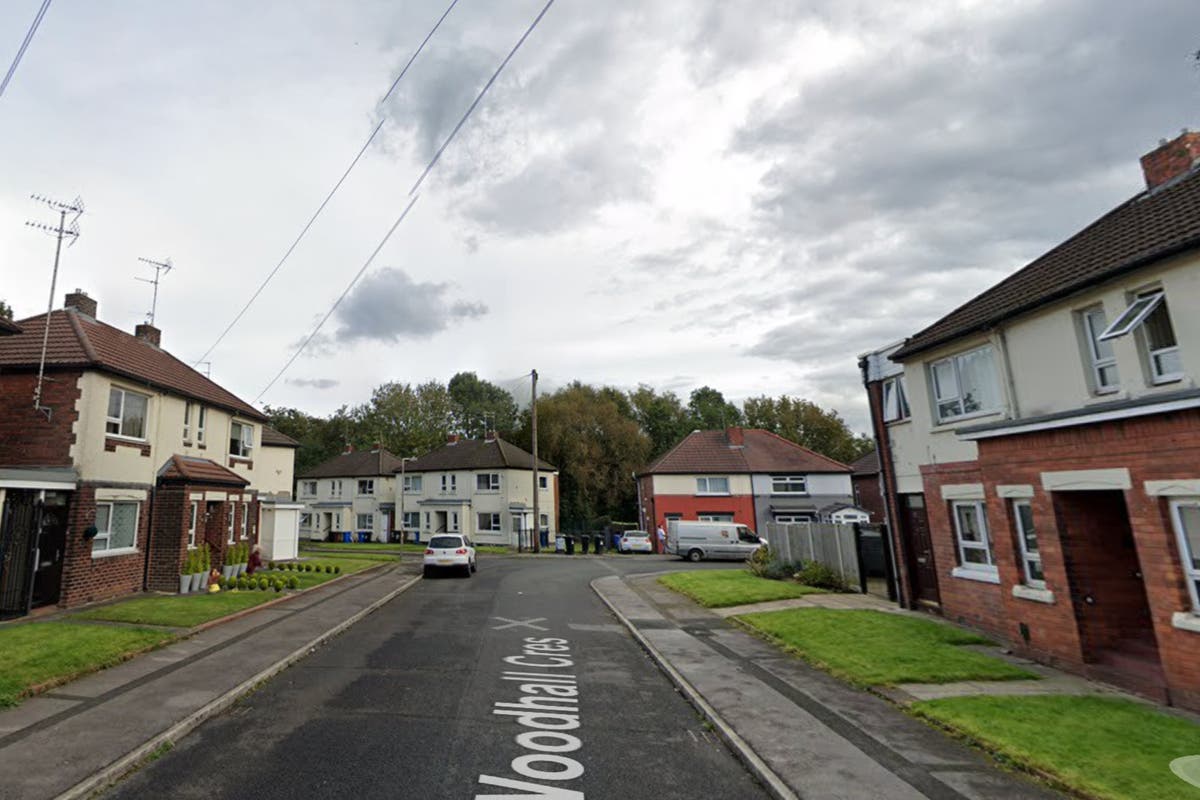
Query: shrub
759	560
242	583
764	564
293	582
263	583
337	569
814	573
328	569
271	565
308	567
278	586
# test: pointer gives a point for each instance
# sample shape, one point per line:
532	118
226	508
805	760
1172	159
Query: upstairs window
449	482
201	422
965	384
241	439
487	482
412	483
366	486
895	400
789	484
543	482
187	422
1100	352
1157	340
712	485
126	414
308	488
335	488
1186	514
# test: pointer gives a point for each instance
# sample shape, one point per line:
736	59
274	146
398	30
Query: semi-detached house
130	459
1040	446
351	494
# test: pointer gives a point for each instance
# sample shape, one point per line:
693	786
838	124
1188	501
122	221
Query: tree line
597	436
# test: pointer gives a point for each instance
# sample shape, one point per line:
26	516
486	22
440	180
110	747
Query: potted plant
243	557
200	567
185	577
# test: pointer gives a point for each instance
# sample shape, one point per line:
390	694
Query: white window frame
1188	559
335	488
895	400
187	422
494	522
245	449
119	420
799	518
1098	363
413	483
453	522
963	545
413	523
449	483
245	520
201	422
1028	558
543	481
370	521
306	519
104	536
1139	310
230	529
789	480
940	397
704	484
716	516
368	484
492	479
308	488
193	514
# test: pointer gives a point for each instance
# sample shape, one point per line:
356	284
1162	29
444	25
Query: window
337	521
970	529
489	522
1031	556
187	422
427	519
487	482
366	522
453	521
544	521
412	520
192	525
449	482
229	527
241	439
712	516
543	482
366	486
308	488
1186	515
789	484
965	384
201	422
245	520
126	414
1149	310
712	485
412	483
895	399
795	519
746	535
1100	352
335	488
306	520
116	527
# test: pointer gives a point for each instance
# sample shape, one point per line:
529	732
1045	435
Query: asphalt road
402	705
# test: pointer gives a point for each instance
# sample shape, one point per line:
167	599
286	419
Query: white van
717	540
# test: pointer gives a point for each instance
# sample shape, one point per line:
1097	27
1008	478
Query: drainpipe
887	487
1009	385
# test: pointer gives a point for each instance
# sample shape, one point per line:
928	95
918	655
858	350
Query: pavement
75	739
802	732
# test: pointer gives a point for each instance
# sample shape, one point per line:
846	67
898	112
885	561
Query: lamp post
403	461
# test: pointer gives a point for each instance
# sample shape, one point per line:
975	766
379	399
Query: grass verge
366	547
723	588
1097	746
179	611
873	648
38	655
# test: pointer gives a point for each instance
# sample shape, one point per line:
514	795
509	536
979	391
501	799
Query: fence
829	544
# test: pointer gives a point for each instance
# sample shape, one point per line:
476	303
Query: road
404	705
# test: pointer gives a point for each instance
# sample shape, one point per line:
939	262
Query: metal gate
18	533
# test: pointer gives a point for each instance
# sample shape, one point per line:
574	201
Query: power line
37	20
341	297
333	191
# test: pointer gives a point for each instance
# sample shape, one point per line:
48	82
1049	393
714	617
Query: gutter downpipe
1010	385
889	495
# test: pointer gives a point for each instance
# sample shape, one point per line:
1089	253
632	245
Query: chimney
1171	159
349	449
149	333
452	438
736	437
79	301
489	436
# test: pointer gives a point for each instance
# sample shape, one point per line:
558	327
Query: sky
745	194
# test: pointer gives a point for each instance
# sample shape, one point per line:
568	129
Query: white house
350	495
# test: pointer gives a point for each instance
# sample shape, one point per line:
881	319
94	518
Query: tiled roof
867	465
1147	228
762	451
356	464
8	327
476	454
273	438
199	470
77	340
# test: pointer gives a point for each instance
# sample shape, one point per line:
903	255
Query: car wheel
467	571
694	555
474	566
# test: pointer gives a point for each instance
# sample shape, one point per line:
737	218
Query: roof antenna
63	230
160	268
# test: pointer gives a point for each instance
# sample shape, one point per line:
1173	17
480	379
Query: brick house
867	492
744	475
351	493
129	459
1040	447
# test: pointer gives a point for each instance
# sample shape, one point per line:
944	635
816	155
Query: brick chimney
736	437
149	333
349	449
489	436
79	301
452	438
1172	159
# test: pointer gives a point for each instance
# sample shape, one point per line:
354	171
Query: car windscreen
445	542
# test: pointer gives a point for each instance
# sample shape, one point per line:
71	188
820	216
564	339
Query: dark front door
922	570
18	532
51	548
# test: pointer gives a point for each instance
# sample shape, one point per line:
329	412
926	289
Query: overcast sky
741	193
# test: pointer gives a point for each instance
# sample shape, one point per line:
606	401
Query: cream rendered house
349	497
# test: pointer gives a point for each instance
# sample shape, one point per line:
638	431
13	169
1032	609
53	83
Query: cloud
388	306
314	383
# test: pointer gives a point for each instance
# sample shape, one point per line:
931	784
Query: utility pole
537	489
160	268
60	232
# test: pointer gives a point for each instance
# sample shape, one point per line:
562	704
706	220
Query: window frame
491	478
231	525
306	519
187	422
1027	557
119	420
335	488
495	524
1096	362
895	388
789	479
1133	320
412	483
543	481
939	400
1127	322
244	451
201	423
449	479
799	518
716	516
105	535
1187	558
370	486
245	520
358	521
706	482
193	515
962	545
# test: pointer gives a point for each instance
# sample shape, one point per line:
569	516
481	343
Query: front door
18	549
922	570
51	549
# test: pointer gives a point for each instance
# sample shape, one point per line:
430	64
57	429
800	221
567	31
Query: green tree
405	419
661	417
806	423
475	400
320	438
708	410
6	311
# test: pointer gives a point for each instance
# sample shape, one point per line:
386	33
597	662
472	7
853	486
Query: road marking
520	623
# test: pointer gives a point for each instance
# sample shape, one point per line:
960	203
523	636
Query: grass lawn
1101	747
181	611
42	653
366	547
723	588
873	648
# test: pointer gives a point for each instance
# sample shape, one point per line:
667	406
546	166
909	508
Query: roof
8	327
355	464
867	465
476	454
77	340
762	451
273	438
1149	227
191	469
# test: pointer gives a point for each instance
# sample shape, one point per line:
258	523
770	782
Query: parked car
451	551
635	542
716	540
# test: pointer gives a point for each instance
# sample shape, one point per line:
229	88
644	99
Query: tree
475	400
709	411
405	419
661	417
319	438
6	311
808	424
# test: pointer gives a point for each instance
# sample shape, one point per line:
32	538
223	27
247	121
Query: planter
198	581
241	568
228	571
185	584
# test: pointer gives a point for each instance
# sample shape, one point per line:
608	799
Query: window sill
1024	592
950	424
130	439
891	422
983	576
790	494
240	458
713	494
1186	621
120	551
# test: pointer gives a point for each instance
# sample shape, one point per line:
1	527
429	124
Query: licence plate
445	561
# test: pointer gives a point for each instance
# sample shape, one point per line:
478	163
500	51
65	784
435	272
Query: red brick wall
27	438
690	507
868	497
168	538
87	578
